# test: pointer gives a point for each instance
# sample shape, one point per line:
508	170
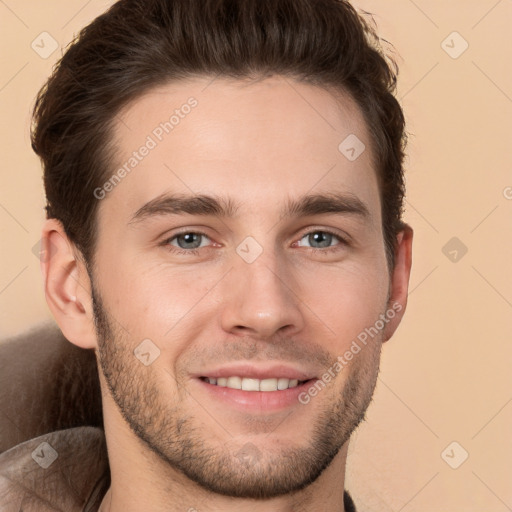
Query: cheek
153	300
347	300
150	299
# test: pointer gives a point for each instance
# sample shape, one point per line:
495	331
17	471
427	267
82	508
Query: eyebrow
225	207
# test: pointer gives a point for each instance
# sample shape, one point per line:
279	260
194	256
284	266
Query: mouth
255	396
251	384
255	388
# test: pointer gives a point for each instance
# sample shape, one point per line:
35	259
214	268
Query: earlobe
399	286
66	286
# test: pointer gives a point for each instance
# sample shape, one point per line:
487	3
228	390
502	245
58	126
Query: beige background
445	375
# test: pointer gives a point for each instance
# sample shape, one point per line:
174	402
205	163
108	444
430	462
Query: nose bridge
259	294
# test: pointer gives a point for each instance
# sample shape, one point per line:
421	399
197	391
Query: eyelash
195	252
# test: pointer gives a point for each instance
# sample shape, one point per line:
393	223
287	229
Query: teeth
234	383
282	383
268	385
248	384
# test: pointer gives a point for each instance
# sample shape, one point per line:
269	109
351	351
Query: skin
173	445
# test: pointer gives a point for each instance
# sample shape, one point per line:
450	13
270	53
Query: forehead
256	141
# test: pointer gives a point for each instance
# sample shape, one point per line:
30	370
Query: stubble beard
176	437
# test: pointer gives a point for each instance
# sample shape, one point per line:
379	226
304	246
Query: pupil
189	238
322	238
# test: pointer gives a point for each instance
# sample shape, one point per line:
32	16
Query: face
263	284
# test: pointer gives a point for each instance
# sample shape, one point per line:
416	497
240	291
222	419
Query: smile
249	384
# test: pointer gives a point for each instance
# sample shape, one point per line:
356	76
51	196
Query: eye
321	239
187	242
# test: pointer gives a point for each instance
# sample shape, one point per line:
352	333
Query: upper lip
252	371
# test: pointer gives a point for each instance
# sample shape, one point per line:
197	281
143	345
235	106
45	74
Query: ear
67	285
399	286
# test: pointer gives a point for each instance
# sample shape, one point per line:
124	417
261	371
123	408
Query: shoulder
64	470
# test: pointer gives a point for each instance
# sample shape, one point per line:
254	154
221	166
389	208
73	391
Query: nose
261	298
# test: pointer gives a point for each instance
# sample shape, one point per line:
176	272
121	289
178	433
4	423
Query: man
224	186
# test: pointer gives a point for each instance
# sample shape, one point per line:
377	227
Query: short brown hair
139	44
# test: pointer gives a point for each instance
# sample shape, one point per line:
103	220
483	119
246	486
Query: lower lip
256	401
